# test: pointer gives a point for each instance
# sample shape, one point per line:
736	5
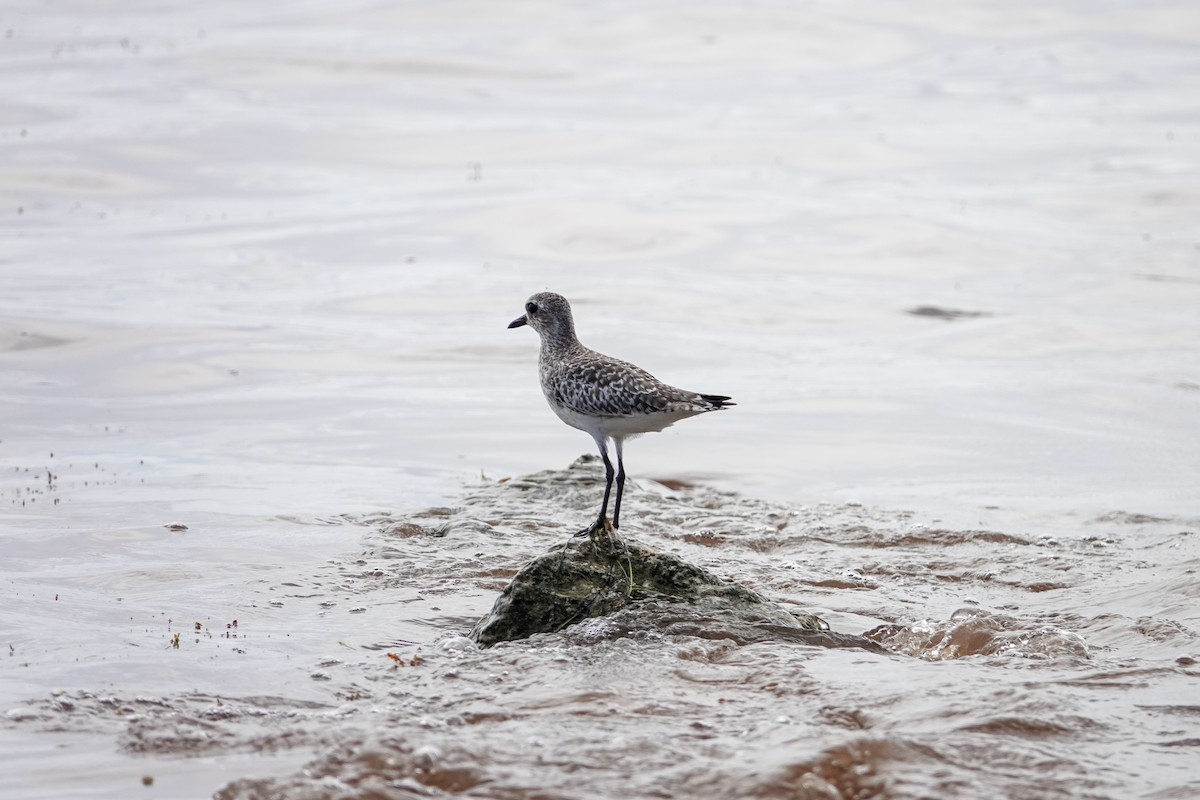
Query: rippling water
1018	664
257	265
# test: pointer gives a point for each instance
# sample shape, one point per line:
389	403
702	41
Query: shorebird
610	399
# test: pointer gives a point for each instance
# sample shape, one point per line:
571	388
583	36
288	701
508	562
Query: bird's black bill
518	322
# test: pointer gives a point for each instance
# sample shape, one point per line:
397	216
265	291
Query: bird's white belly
620	427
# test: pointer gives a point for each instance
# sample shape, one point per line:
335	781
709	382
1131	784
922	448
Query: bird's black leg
620	481
608	482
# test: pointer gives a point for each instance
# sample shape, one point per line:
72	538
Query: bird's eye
531	308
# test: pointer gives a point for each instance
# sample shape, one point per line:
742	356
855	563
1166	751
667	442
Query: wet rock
642	590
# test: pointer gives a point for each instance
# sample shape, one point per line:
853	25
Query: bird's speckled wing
598	385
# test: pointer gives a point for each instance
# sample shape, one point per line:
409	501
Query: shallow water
257	265
1017	664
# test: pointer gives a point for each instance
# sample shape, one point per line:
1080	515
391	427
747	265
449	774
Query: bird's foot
597	527
602	532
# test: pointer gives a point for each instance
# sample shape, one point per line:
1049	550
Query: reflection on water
257	263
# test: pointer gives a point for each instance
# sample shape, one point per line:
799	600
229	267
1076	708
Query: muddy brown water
1016	664
256	261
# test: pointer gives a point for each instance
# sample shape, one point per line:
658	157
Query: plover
604	396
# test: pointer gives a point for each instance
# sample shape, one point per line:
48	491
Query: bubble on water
21	714
426	756
454	645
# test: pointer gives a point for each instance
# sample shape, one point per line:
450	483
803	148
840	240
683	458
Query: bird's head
549	314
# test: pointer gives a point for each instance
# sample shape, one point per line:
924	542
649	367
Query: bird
610	399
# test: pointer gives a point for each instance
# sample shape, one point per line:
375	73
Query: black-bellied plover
606	397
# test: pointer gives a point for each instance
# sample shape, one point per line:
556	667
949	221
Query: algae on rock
642	589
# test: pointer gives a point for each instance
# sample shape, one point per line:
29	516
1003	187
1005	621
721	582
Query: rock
642	590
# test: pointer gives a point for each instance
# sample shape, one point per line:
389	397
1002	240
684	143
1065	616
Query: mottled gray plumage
609	398
592	383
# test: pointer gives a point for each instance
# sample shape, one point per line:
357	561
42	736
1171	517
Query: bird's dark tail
717	400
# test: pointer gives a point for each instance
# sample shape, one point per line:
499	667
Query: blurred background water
257	261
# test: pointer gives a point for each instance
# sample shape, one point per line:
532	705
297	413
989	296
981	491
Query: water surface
257	265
